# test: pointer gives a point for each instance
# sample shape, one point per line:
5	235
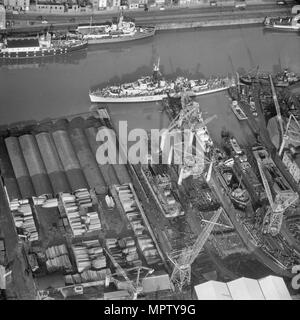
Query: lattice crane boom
276	103
282	201
183	259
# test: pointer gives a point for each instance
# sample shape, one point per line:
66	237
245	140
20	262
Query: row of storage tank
57	157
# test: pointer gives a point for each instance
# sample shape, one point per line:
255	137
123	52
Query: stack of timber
23	218
89	255
58	258
132	208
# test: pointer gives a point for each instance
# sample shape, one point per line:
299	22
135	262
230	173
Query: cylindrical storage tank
69	160
35	165
87	160
19	166
107	170
7	173
52	163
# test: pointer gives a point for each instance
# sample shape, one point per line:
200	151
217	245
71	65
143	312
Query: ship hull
137	36
42	52
153	98
282	28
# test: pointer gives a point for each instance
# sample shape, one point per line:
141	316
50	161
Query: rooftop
22	43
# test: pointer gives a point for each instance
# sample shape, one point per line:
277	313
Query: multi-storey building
17	4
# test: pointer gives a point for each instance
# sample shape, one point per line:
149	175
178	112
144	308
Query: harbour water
60	87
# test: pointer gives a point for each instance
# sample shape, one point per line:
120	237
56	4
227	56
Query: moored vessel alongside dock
290	24
35	47
156	88
120	30
237	110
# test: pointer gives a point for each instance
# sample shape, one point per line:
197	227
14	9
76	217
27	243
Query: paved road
171	13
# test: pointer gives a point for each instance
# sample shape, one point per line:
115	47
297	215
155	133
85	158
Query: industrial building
2	17
268	288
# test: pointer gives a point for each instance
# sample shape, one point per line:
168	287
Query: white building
268	288
17	4
2	18
102	4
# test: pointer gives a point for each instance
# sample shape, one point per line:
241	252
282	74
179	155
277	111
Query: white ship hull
100	99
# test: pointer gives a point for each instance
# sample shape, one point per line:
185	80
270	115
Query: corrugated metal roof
269	288
274	288
116	295
22	43
245	289
156	283
213	290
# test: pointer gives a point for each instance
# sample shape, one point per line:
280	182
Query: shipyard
130	173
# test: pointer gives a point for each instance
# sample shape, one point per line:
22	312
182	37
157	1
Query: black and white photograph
150	153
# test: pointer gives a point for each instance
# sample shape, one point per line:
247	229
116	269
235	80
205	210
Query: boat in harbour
119	30
156	88
235	146
237	110
37	47
290	24
281	79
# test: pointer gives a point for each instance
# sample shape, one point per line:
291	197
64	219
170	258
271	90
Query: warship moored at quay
156	88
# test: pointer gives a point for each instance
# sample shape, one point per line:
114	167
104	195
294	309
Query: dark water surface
60	86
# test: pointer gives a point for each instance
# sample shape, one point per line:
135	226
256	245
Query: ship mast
156	70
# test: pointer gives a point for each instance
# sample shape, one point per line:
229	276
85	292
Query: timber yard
172	223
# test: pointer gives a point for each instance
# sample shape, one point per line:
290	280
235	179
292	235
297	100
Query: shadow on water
73	58
119	46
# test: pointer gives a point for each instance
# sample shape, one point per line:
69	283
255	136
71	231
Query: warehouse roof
274	288
269	288
213	290
22	43
156	283
245	289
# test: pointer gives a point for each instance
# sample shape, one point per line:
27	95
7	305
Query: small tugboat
235	146
120	30
290	24
156	88
37	47
240	114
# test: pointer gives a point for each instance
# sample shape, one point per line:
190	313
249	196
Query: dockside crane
191	159
134	287
291	134
282	200
277	106
183	259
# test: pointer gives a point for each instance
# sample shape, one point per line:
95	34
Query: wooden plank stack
87	276
58	258
79	210
129	204
124	251
23	218
2	252
89	255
